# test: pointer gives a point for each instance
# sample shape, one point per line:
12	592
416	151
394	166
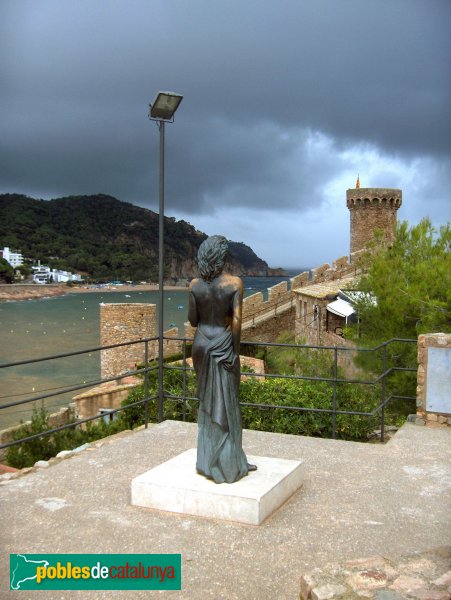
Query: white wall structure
15	259
64	276
43	274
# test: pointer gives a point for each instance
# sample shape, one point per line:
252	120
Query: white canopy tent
341	308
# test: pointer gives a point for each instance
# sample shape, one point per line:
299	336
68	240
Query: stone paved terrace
358	500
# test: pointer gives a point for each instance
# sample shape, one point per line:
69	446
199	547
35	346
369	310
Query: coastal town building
15	259
43	274
321	314
59	276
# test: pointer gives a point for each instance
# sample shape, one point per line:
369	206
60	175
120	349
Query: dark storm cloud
276	95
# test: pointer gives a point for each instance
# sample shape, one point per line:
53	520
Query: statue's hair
211	256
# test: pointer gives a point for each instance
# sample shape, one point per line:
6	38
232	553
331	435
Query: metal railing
144	372
335	380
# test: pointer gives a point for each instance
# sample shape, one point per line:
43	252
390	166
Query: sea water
32	329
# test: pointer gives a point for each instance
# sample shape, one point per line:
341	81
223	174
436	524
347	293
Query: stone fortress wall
263	320
370	209
121	323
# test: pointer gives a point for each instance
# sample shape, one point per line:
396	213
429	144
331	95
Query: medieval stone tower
370	209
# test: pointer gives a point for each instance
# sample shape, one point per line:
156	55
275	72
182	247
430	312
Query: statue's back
215	302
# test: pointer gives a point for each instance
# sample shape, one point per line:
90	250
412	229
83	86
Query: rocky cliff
106	238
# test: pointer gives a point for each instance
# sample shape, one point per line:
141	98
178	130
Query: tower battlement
370	209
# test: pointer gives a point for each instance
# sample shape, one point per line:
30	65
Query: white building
15	259
64	276
43	274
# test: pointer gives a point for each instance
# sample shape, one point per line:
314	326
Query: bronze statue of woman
215	308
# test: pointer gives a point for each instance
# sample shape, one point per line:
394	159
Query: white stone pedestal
175	486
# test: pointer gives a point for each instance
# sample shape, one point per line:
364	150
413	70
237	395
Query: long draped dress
220	455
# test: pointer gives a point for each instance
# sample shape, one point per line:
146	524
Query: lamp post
162	111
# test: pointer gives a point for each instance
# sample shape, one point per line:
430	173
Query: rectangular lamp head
164	106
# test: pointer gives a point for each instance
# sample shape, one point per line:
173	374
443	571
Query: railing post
334	414
160	382
146	383
184	379
383	391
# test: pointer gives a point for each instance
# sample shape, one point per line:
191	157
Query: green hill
106	238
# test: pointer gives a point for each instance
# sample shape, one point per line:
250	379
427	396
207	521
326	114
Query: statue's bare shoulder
231	281
194	283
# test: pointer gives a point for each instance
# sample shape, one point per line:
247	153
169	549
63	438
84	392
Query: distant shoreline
21	291
14	292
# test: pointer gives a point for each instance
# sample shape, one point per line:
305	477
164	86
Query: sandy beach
15	292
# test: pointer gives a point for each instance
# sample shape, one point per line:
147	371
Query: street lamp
164	106
162	111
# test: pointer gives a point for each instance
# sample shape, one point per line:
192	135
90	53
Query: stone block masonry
371	209
265	320
424	576
106	396
121	323
269	328
434	380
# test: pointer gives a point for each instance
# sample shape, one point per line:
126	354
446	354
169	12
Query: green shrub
174	408
273	391
307	394
44	447
270	391
308	362
27	453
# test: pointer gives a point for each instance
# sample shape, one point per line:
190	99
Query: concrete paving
357	500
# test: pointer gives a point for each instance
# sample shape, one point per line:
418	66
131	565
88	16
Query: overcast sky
285	103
